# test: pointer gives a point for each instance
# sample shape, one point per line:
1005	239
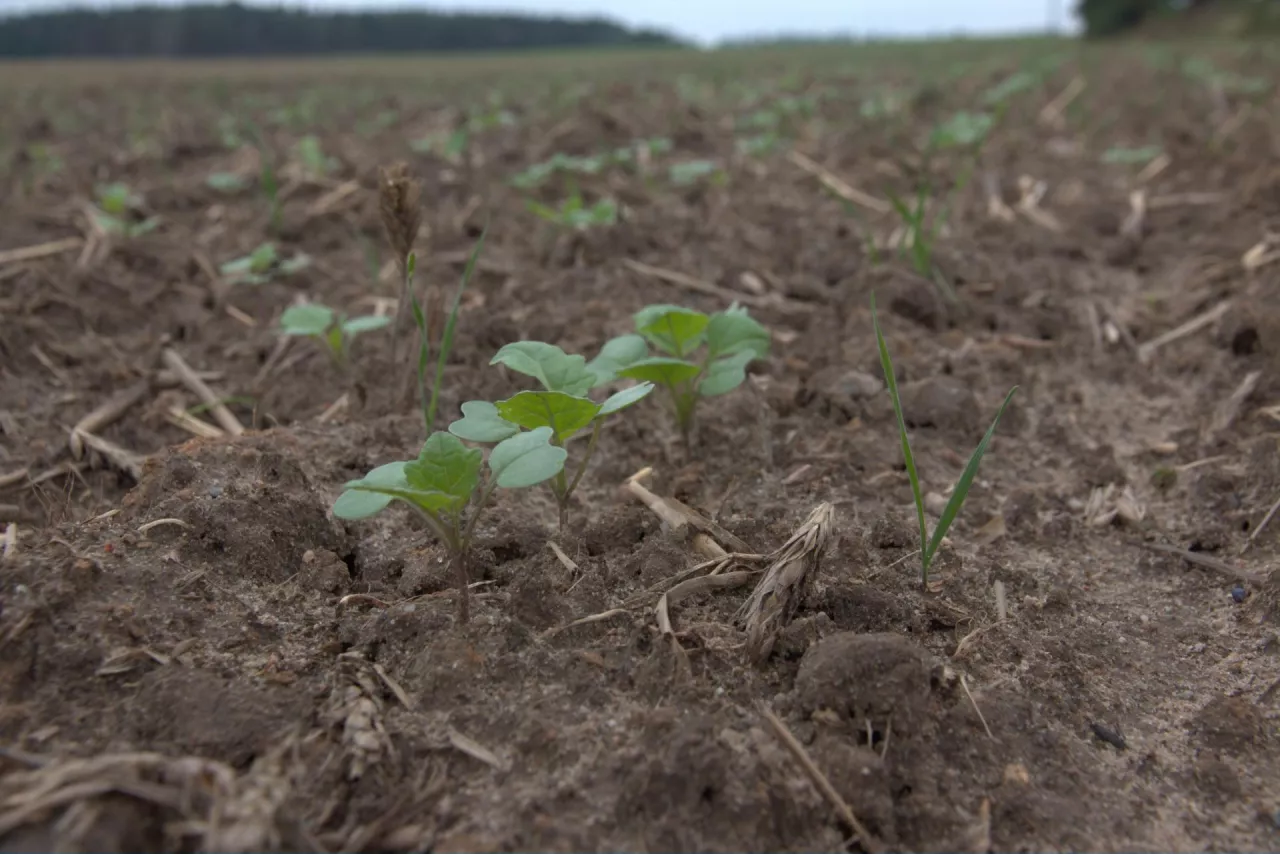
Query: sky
709	21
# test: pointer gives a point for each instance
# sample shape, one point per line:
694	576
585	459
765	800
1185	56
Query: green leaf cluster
698	355
334	330
562	408
262	265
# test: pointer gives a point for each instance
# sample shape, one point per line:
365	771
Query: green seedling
446	478
563	406
45	163
226	182
262	265
268	180
966	132
229	132
539	173
376	125
732	339
574	212
883	105
692	171
1121	156
929	545
1014	84
117	212
328	327
315	163
758	145
430	402
449	145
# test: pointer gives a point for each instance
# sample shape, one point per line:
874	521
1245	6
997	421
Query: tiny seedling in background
262	265
226	182
268	180
444	480
929	545
966	132
1121	156
574	212
562	406
329	327
732	339
315	163
692	171
117	212
448	145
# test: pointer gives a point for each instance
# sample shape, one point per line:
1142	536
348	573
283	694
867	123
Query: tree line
233	29
1115	17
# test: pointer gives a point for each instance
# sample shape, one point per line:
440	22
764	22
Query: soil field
195	654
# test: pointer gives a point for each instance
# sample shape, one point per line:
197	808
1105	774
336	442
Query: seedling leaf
966	480
563	413
624	398
366	323
549	365
886	363
445	468
617	354
734	331
724	375
482	423
670	328
356	502
661	370
526	459
306	319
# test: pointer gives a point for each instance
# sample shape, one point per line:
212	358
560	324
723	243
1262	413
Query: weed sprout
929	545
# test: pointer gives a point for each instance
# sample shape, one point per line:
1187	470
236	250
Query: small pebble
215	489
1238	594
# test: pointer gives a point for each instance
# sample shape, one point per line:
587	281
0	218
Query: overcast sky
712	20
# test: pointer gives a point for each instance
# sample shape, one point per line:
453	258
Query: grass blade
446	340
966	480
892	381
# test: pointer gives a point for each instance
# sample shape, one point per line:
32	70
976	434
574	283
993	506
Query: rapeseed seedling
701	355
563	406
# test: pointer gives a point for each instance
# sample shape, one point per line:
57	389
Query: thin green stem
446	340
586	457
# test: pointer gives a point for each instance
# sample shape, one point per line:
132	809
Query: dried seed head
400	203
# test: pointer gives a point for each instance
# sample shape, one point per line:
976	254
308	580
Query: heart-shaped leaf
356	502
661	370
310	319
549	365
446	466
624	398
481	422
733	331
526	459
563	413
724	375
672	329
616	355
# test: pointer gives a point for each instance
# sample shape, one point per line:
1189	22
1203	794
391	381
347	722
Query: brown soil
204	682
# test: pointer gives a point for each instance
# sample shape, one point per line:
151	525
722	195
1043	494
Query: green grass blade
446	341
424	357
892	381
961	490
